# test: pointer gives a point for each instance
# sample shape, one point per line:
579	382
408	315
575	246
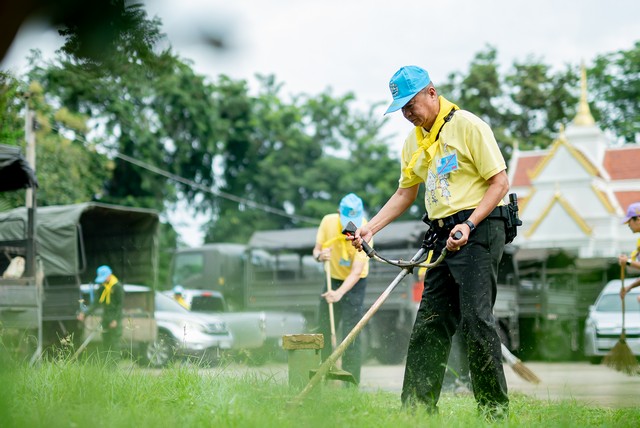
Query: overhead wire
193	184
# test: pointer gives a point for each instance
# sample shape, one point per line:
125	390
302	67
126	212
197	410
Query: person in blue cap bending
455	154
110	299
348	270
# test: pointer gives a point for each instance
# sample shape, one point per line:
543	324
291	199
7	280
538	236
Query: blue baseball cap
405	84
103	272
351	209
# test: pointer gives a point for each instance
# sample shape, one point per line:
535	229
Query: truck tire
160	352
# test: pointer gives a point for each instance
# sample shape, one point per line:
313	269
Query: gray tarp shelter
73	240
400	234
15	172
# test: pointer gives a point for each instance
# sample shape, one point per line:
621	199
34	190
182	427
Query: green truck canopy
76	239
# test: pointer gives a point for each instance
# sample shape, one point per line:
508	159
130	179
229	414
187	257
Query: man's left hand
453	244
332	296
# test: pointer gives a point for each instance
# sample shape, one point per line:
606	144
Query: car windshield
187	267
167	304
613	303
206	303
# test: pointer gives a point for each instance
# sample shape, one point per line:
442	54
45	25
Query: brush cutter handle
350	230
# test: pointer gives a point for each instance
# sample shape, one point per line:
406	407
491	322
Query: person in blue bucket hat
455	154
344	292
110	297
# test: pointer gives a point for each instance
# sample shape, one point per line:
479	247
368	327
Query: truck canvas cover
122	237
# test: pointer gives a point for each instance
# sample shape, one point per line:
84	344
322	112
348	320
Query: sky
356	46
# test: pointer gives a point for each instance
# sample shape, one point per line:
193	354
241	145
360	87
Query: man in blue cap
348	270
111	299
454	153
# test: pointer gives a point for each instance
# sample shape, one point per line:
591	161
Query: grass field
62	393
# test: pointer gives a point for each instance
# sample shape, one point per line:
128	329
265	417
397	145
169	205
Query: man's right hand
80	316
361	233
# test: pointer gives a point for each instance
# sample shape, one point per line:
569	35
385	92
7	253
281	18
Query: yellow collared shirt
456	179
343	254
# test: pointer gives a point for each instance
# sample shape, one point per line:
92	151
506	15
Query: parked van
604	323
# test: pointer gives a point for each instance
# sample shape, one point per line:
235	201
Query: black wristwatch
469	223
628	262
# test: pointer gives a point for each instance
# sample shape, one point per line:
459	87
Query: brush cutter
84	344
418	260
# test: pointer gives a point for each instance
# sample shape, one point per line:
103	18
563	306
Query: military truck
555	290
69	242
275	271
20	286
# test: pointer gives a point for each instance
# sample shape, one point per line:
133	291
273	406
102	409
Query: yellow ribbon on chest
427	143
340	238
106	293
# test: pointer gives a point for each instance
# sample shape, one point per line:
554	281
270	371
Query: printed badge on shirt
447	164
345	262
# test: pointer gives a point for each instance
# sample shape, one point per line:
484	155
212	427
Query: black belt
461	216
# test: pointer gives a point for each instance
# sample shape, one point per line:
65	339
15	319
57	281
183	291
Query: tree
615	86
299	157
540	100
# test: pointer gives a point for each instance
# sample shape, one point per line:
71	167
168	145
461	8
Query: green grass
60	393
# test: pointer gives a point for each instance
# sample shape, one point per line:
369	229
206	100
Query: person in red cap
110	299
632	219
348	270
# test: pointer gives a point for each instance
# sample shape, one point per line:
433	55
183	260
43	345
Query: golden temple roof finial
584	117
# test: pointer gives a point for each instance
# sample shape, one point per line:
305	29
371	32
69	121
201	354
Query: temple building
573	196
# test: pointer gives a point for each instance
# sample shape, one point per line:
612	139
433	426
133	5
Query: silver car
182	333
604	323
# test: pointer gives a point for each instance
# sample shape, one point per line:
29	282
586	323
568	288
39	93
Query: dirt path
595	385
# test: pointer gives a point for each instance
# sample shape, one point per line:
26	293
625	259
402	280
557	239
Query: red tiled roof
525	165
623	163
627	198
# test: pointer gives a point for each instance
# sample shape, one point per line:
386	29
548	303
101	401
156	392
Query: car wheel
161	351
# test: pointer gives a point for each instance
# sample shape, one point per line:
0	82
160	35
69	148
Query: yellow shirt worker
348	269
454	153
632	219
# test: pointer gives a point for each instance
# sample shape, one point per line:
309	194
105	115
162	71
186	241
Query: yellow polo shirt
342	252
467	156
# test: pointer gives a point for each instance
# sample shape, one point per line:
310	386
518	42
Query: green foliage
542	102
527	104
300	157
615	86
106	34
11	124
